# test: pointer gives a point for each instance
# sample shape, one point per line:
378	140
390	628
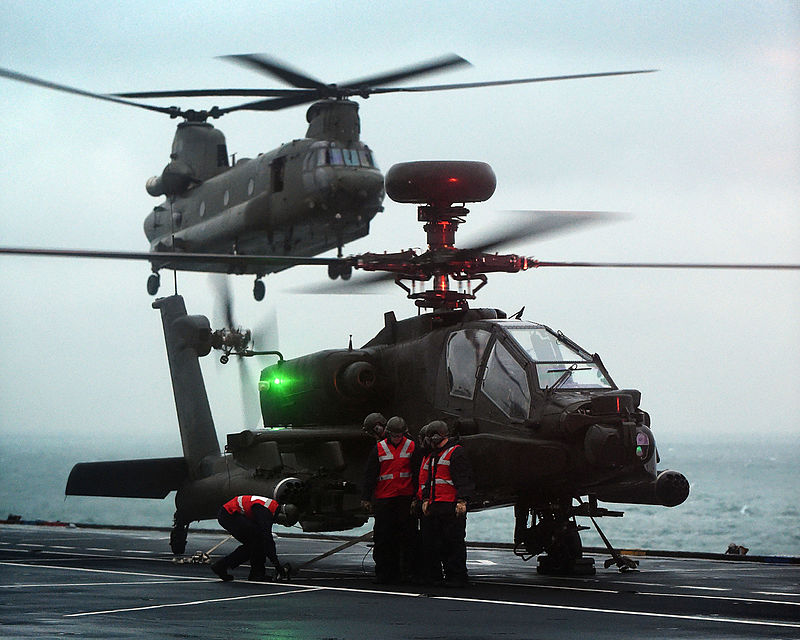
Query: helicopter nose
353	188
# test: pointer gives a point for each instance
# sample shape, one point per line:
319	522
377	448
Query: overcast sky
703	156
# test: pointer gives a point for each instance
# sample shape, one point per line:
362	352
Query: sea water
744	490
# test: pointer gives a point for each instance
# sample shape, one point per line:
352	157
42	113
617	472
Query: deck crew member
389	487
375	425
249	519
445	497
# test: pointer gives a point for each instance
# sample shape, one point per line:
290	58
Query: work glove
425	506
366	505
461	508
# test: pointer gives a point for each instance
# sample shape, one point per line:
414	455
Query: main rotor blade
276	104
498	83
21	77
199	93
166	260
224	298
533	263
541	224
363	87
422	68
273	67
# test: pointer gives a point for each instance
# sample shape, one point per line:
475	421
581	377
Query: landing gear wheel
177	537
259	290
340	270
565	554
153	283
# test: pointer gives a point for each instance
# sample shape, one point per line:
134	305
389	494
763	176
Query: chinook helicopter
512	390
303	198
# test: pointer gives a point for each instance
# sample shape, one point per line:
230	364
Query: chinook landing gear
343	271
153	283
259	289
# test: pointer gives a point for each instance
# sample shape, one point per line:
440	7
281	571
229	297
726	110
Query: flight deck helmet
375	424
437	431
395	426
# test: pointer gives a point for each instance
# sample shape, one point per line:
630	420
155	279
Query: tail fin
187	338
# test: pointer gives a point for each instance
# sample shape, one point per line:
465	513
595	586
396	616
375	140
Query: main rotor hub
437	186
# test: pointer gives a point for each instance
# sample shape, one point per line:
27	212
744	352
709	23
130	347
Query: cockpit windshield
558	365
332	155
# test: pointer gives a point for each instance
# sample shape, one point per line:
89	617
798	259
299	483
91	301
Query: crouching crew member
449	487
389	487
249	519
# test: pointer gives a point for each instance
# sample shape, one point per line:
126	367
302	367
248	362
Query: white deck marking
88	584
301	590
97	549
657	594
121	573
689	586
642	614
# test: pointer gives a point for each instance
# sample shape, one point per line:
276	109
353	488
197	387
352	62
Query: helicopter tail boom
188	337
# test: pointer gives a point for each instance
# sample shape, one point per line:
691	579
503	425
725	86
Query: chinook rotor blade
500	83
200	93
363	87
21	77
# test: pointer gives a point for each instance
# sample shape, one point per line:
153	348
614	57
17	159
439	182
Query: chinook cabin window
464	354
506	384
556	360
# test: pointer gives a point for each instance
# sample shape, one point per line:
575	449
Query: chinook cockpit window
557	362
464	354
506	383
337	156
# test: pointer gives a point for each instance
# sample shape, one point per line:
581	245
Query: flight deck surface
105	583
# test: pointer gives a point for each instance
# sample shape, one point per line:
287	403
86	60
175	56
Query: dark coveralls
253	531
393	533
444	532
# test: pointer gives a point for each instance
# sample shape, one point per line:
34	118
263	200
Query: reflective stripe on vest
244	505
394	474
424	473
445	489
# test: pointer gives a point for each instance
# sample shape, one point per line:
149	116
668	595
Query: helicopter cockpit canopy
559	365
521	356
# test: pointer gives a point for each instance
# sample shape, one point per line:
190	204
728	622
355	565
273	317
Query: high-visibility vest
443	489
394	473
424	474
244	505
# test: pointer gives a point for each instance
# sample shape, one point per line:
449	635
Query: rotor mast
436	187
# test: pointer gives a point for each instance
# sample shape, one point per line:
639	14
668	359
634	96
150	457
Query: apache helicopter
511	390
301	199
